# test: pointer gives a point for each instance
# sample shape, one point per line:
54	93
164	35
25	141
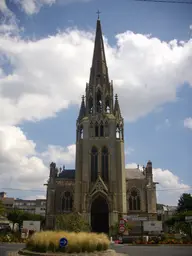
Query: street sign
121	229
121	222
63	242
139	219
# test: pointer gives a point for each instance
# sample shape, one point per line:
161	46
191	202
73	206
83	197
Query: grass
77	242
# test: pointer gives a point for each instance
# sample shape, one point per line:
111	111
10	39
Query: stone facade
100	187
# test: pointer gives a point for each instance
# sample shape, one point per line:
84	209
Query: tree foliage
185	203
184	208
18	216
72	222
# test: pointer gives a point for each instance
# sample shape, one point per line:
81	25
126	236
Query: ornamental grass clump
77	242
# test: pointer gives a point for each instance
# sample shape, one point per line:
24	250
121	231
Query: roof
7	200
67	174
135	173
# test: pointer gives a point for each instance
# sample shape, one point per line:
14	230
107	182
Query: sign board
152	226
32	225
135	218
63	242
121	229
121	222
140	219
188	218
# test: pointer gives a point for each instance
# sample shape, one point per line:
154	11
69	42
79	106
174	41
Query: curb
109	252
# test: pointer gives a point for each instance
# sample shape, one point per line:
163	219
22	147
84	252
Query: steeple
117	111
82	111
99	71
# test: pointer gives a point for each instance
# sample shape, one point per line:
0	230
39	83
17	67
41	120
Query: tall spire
117	111
82	111
99	71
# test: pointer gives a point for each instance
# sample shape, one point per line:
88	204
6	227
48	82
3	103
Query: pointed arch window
105	164
101	129
121	132
106	129
117	132
90	104
99	101
81	132
96	130
91	130
134	200
94	164
107	105
67	202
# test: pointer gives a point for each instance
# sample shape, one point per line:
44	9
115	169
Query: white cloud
33	6
59	154
188	123
20	166
48	74
170	186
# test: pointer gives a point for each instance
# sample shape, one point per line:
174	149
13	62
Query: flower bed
11	238
77	242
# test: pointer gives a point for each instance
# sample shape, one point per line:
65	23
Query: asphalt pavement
153	250
11	250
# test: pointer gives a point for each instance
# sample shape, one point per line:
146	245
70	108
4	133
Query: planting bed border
96	253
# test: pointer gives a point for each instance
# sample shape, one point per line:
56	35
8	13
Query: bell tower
100	183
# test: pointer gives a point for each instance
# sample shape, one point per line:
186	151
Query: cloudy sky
45	56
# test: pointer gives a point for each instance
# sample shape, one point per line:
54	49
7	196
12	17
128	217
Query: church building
100	188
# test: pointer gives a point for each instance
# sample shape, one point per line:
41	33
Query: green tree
72	222
15	216
2	208
18	216
185	203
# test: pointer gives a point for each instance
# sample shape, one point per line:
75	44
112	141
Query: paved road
10	249
154	250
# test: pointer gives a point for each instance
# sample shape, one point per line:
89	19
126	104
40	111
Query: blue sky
154	98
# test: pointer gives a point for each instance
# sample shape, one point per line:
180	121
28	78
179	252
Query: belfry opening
100	215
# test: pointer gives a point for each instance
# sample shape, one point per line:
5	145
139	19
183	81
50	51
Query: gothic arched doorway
100	215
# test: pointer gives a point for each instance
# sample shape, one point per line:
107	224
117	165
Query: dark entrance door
100	215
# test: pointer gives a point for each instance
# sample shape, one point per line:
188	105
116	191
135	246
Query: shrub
72	222
77	242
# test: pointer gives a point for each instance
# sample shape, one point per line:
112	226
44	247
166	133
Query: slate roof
130	174
135	173
67	174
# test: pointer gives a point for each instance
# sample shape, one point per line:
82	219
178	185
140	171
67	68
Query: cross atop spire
98	13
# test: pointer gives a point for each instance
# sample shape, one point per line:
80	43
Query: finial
116	97
83	97
98	13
